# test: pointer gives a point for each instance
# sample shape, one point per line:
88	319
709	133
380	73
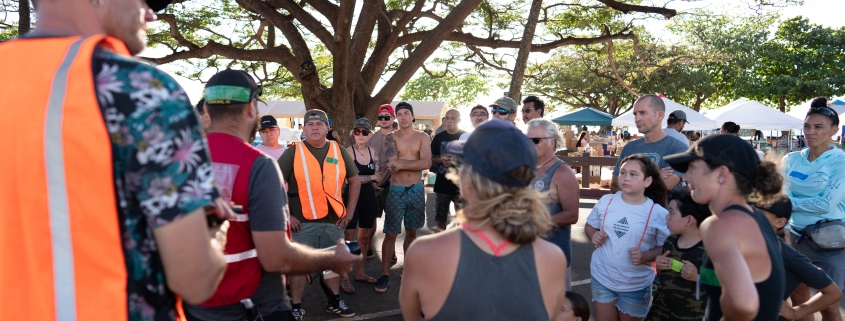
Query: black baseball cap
268	121
158	5
723	149
494	149
363	122
405	105
780	205
231	87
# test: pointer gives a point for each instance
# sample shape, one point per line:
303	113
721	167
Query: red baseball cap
388	108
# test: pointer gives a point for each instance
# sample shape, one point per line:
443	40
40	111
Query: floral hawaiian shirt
162	169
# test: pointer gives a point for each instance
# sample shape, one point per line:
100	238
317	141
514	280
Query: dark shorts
365	210
441	206
831	262
406	203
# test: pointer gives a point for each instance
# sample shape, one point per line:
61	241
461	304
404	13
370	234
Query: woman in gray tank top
496	266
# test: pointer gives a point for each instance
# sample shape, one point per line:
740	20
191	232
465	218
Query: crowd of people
126	203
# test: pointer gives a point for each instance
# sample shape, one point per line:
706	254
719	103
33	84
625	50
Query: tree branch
280	55
326	8
469	39
616	71
297	13
626	8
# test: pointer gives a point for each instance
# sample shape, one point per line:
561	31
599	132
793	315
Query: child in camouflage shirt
675	298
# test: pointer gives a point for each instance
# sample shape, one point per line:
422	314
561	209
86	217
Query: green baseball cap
506	103
363	122
231	87
316	114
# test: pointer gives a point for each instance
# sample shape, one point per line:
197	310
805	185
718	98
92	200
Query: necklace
547	163
359	151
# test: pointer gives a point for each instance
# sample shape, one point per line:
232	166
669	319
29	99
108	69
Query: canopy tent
426	112
800	111
282	108
751	114
585	117
696	120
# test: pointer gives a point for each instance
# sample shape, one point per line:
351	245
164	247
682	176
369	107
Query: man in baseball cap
505	109
675	124
270	132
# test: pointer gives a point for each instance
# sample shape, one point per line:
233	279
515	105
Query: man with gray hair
445	191
557	178
649	111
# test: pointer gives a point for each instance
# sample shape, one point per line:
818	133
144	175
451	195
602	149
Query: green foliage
457	91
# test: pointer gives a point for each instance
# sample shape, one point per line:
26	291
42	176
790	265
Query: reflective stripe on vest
320	193
60	235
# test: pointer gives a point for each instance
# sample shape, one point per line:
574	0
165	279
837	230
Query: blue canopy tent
585	117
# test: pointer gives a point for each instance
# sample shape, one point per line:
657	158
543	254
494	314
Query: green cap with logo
231	87
316	114
506	103
363	122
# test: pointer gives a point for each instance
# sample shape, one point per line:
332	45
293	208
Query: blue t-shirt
656	151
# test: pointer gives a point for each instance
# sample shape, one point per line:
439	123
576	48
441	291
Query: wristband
677	265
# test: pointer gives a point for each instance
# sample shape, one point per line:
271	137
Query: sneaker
298	314
370	254
382	283
341	309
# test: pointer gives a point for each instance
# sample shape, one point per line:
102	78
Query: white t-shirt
464	136
611	262
674	133
275	153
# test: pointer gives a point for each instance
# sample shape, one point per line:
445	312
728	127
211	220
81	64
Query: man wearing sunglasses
386	120
532	108
505	109
445	191
270	132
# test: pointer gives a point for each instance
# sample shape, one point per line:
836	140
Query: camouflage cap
316	114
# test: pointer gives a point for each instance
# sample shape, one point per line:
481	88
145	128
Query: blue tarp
585	117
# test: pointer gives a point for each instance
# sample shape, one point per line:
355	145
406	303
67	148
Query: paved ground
370	305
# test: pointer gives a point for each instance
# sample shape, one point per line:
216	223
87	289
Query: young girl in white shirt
628	229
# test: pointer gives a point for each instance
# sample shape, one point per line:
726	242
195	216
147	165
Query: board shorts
404	203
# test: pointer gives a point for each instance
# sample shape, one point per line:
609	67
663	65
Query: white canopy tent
696	120
751	114
800	111
282	108
426	112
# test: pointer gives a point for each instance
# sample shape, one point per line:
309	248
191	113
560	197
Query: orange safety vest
318	188
60	237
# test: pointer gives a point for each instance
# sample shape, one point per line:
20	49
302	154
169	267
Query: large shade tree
347	57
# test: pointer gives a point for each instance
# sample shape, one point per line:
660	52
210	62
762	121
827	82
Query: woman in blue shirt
815	182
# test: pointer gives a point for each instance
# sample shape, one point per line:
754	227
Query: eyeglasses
823	110
525	111
361	132
500	111
384	118
536	140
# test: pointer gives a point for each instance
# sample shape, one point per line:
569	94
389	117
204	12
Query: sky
828	13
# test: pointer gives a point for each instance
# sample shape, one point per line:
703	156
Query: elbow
199	286
741	309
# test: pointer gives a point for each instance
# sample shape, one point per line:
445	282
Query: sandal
366	279
346	287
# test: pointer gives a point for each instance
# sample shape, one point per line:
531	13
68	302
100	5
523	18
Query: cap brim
456	147
680	162
158	5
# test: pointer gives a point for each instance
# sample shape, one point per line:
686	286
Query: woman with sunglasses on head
364	218
742	271
814	183
496	266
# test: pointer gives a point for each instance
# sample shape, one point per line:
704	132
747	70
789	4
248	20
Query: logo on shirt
621	227
654	157
539	186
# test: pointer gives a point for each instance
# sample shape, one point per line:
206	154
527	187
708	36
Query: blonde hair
518	213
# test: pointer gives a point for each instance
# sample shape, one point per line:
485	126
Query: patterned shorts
404	202
441	206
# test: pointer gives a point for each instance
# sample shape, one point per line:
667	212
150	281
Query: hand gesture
598	238
295	225
666	172
218	236
689	272
636	256
341	223
343	260
663	262
787	311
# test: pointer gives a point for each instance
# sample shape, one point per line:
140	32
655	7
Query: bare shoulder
423	137
424	248
565	174
718	232
548	252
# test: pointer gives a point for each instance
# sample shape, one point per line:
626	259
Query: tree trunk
782	103
515	89
23	17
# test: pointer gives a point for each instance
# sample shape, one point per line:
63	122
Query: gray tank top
492	288
560	236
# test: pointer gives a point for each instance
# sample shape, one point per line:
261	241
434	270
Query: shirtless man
408	153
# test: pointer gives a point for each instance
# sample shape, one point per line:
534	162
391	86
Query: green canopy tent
585	117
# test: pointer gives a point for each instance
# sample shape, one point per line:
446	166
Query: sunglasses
500	111
384	118
537	140
822	110
525	111
360	132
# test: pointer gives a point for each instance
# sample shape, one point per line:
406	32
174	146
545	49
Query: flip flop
368	279
347	287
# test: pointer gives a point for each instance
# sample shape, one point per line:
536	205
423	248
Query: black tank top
369	169
492	288
769	291
329	135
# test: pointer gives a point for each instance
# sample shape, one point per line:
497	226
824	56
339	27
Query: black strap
738	207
